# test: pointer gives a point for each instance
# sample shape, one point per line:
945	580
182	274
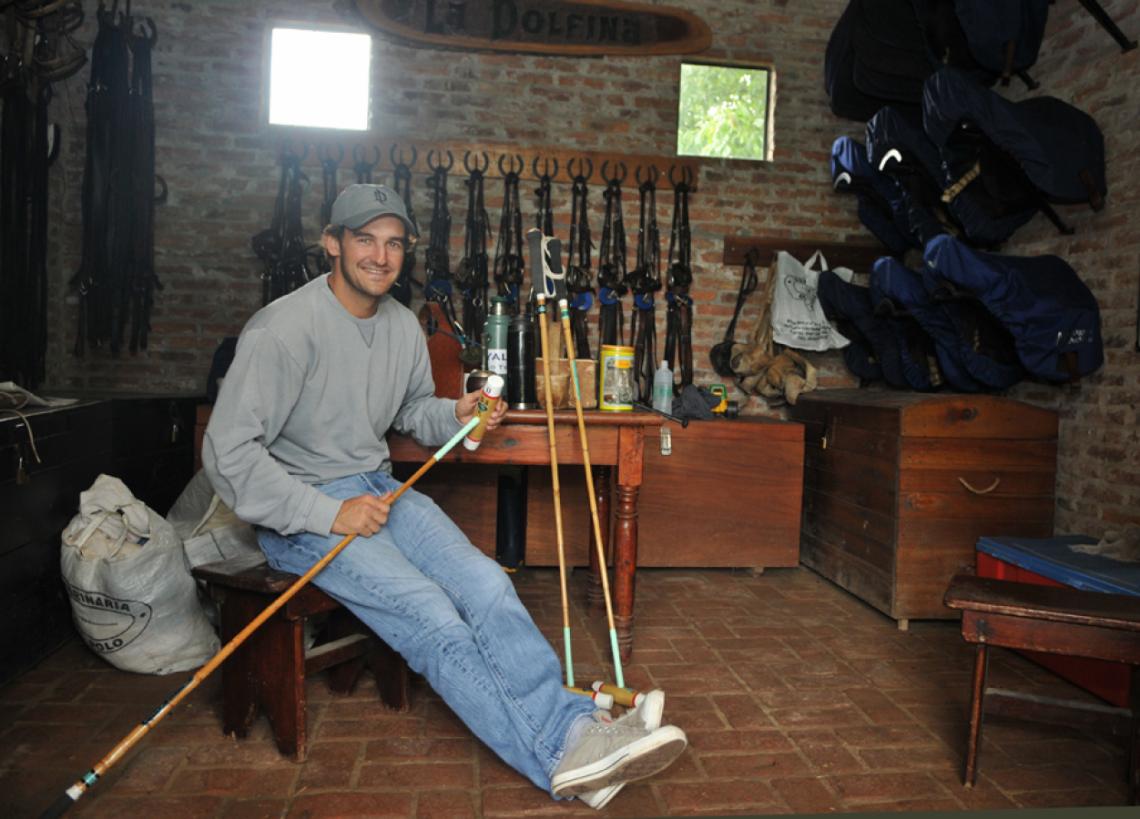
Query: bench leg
239	677
391	673
281	650
343	676
973	740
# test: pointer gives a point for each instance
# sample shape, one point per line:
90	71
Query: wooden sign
582	27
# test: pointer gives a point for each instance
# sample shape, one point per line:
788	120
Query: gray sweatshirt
309	397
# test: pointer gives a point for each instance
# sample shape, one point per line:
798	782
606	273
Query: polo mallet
553	272
83	784
534	240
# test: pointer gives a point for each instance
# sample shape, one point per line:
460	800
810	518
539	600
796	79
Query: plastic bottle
495	331
663	388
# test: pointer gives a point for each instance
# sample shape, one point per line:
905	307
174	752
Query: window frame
769	111
267	76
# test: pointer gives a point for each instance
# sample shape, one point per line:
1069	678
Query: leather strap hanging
141	276
281	247
578	258
508	268
645	280
402	181
437	259
362	166
472	275
329	185
679	315
612	275
116	279
544	219
721	353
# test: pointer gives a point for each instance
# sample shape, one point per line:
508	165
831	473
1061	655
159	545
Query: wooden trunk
898	487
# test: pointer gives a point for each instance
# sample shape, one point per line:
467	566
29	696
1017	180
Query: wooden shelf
857	256
385	150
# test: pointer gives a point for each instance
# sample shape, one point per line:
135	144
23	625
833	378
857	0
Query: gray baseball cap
358	205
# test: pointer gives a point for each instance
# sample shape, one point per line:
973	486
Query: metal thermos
495	330
520	363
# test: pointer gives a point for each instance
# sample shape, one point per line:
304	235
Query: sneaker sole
600	798
637	760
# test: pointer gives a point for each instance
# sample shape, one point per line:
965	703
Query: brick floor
797	698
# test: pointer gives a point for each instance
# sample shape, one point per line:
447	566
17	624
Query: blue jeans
453	614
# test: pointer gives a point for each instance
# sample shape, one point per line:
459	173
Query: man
296	446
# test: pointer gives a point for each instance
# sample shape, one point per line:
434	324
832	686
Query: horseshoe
325	156
651	176
618	178
579	176
400	161
546	163
515	160
472	168
436	166
686	176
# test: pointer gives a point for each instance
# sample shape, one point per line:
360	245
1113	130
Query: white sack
132	596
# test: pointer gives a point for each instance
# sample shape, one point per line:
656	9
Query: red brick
446	805
713	796
330	765
806	794
858	789
396	804
236	781
418	775
255	809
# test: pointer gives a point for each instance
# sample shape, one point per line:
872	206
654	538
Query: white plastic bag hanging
133	599
797	316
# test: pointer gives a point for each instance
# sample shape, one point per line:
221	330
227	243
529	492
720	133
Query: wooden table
1056	621
616	441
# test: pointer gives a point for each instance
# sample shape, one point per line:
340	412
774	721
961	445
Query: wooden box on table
898	487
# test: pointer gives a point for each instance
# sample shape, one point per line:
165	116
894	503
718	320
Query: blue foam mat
1052	558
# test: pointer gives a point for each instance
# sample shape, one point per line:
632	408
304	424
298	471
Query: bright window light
724	111
319	79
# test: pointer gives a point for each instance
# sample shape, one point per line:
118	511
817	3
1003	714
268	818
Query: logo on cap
380	195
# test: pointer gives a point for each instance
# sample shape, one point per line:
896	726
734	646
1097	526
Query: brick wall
1098	483
219	162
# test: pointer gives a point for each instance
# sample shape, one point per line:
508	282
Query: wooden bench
1056	621
268	671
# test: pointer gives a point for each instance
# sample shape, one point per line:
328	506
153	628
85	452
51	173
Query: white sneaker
649	713
612	753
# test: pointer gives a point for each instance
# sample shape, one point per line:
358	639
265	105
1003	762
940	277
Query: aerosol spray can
495	331
488	400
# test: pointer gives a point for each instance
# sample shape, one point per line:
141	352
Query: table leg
1134	751
970	775
625	565
595	594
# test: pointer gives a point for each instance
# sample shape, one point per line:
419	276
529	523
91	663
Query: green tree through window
723	112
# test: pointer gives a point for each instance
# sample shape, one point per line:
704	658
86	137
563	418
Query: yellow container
616	386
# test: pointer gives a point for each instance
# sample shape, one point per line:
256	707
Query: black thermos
520	362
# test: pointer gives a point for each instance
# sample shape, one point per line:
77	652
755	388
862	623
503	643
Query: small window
724	111
319	79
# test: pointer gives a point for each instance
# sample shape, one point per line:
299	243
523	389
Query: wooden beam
858	256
